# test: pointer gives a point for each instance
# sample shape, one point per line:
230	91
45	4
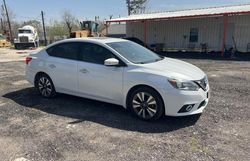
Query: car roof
102	40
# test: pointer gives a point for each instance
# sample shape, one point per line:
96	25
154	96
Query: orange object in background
4	42
88	29
79	34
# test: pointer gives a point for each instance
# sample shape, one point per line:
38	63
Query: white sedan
120	72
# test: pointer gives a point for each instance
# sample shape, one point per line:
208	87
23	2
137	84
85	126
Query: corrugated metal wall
175	33
242	31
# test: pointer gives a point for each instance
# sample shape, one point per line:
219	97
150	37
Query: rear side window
93	53
64	50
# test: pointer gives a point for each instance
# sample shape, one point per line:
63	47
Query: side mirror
111	62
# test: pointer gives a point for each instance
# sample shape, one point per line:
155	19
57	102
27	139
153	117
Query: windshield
24	31
134	52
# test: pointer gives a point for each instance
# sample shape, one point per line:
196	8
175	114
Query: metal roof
191	13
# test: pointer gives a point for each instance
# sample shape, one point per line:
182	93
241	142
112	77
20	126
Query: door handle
84	71
52	66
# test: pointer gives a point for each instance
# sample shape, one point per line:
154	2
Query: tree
136	6
5	27
56	30
70	21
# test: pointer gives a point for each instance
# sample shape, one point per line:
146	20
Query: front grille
24	39
202	83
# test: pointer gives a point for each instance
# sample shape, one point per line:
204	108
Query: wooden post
44	30
2	28
225	28
8	19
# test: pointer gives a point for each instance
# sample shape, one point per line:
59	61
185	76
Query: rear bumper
30	75
176	102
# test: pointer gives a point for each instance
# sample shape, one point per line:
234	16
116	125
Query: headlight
183	84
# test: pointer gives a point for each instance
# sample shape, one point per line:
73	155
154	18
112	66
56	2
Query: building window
194	32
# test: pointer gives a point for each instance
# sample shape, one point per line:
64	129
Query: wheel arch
38	74
140	86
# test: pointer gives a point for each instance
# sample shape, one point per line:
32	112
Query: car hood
175	68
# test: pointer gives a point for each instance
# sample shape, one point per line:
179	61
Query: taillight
28	59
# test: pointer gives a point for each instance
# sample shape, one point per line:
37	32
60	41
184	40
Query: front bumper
177	100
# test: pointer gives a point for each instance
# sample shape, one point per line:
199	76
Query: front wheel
146	104
45	86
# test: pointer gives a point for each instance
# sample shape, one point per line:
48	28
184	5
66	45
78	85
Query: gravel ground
70	128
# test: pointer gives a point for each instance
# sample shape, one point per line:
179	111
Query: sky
87	9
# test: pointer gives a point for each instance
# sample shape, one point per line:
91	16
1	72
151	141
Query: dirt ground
9	55
71	128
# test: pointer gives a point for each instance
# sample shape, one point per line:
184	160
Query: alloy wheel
144	105
45	86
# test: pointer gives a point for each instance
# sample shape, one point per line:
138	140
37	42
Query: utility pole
8	19
2	25
44	31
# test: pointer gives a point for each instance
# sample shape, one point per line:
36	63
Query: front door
95	80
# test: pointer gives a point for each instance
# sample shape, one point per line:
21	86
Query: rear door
97	80
62	66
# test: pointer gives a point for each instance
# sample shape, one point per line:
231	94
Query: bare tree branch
136	6
69	20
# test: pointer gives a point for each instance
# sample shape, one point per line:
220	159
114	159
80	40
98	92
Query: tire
146	104
45	86
16	46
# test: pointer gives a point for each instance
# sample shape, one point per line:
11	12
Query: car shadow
106	114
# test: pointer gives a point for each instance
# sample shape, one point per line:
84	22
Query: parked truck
27	37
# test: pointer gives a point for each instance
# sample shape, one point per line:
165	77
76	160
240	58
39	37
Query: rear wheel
45	86
146	104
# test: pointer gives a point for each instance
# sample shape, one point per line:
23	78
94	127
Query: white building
216	27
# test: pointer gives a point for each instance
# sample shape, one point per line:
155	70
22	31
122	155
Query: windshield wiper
140	62
158	59
151	61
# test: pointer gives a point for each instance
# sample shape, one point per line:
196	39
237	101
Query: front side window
194	32
93	53
134	53
64	50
